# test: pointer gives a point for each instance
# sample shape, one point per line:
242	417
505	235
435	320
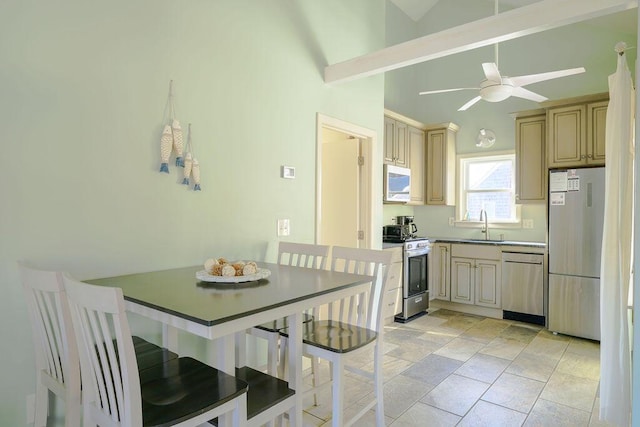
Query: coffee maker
407	221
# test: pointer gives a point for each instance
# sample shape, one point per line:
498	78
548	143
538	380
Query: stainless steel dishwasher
523	287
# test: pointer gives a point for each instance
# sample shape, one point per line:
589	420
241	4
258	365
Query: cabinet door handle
589	156
583	156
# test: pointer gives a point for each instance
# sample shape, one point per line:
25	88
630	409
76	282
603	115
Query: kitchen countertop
488	242
475	241
387	245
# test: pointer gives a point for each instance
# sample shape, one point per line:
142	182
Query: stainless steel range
415	291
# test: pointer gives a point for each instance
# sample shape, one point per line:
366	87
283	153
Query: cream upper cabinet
596	124
531	174
441	164
575	134
440	271
417	164
396	142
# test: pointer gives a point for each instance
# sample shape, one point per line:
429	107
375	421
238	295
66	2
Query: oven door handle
410	254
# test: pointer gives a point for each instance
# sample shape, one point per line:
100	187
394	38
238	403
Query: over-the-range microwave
397	184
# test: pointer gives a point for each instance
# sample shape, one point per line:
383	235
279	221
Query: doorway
344	183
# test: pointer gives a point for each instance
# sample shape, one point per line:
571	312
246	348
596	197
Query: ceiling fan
497	88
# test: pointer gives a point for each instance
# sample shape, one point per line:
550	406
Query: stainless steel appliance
397	183
415	250
397	233
407	220
415	291
576	213
523	287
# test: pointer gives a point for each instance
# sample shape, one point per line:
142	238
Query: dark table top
179	292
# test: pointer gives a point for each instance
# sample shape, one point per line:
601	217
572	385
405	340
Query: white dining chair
350	326
116	393
57	364
298	255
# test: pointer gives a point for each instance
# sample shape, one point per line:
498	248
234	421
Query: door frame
368	142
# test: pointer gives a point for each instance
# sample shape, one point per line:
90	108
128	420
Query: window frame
461	192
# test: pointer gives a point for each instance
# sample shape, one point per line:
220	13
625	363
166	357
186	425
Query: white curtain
615	268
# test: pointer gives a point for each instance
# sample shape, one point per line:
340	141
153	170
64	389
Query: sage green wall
582	44
400	85
84	85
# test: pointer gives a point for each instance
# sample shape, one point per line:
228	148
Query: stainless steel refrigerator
576	213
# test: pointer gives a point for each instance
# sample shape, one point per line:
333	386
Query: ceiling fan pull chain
495	47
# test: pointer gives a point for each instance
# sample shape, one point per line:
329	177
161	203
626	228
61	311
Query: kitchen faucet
485	227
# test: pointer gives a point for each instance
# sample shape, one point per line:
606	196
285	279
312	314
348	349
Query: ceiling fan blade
491	72
534	78
521	92
470	103
429	92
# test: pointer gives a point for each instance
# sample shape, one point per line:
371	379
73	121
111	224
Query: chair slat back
364	309
303	255
111	385
53	338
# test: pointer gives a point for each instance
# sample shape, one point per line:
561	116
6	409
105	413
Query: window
487	182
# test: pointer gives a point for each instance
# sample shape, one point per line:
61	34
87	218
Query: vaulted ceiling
452	38
528	17
417	9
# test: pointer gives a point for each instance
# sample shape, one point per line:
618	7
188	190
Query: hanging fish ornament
188	163
178	142
166	142
195	170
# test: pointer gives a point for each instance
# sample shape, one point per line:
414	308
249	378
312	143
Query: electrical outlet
527	223
31	408
451	220
284	228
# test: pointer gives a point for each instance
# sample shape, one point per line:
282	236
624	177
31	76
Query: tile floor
453	369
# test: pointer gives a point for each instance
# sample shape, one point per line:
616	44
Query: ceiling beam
541	16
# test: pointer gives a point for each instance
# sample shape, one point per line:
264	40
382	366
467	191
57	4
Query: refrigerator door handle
589	194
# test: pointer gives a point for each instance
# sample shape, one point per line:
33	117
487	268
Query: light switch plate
283	227
288	172
451	220
527	223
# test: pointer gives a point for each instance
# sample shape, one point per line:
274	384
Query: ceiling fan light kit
496	91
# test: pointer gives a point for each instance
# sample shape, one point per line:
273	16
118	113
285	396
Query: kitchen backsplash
433	221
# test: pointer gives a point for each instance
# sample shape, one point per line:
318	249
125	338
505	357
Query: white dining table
222	312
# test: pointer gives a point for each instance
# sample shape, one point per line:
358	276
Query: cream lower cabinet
476	275
392	300
440	271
